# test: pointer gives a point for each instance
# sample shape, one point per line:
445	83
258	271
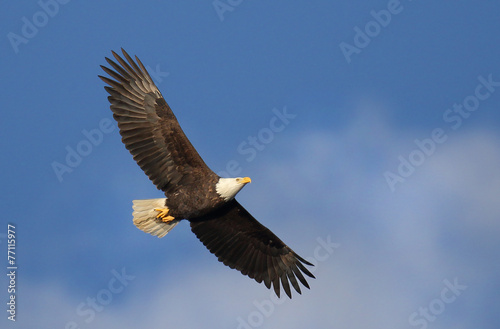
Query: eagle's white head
227	188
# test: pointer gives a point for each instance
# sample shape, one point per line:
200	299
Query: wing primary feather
299	276
120	69
284	269
113	74
293	281
302	259
275	278
286	286
138	71
304	269
289	263
127	67
146	73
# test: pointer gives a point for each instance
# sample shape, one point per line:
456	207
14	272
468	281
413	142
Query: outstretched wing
241	242
149	128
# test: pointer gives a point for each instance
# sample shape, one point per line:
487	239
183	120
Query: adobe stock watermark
157	74
363	37
454	118
448	295
31	25
265	308
75	155
254	144
223	6
94	304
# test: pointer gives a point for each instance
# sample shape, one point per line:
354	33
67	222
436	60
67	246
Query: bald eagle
152	134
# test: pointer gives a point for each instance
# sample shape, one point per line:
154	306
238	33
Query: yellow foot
163	215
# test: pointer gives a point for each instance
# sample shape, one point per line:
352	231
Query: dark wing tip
254	251
292	269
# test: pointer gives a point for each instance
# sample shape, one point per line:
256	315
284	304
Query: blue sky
382	169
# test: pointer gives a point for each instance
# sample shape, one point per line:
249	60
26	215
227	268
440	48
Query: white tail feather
145	217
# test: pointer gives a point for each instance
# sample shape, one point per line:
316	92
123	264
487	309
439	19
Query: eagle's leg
163	215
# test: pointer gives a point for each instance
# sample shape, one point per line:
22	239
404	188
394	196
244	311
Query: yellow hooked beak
245	180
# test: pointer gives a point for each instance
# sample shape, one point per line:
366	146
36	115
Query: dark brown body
195	199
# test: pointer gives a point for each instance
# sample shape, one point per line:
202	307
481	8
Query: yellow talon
167	219
163	215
